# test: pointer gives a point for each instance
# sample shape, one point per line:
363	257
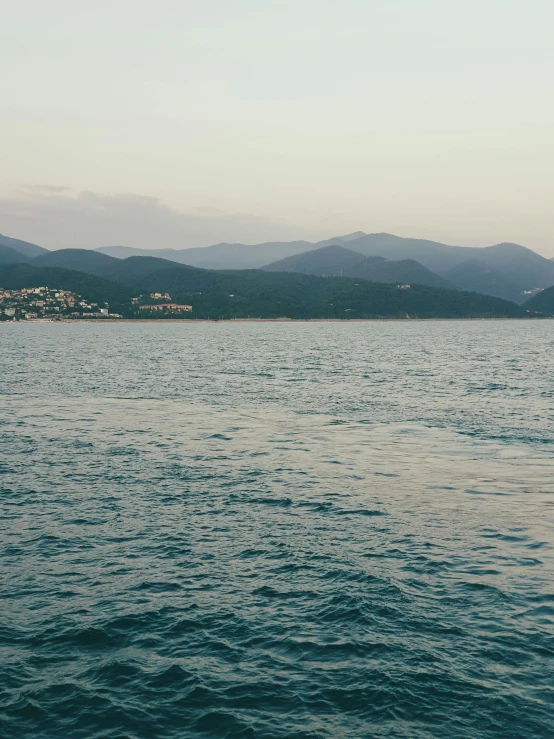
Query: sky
178	123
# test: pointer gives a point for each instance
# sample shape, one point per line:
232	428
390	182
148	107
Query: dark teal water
277	530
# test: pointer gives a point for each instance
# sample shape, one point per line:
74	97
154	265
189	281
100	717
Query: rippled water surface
277	530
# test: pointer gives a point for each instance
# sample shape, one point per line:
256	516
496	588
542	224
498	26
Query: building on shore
169	307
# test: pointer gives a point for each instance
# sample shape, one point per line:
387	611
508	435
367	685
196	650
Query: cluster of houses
161	307
46	303
34	303
166	307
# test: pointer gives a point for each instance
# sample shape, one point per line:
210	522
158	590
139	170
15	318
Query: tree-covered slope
517	264
304	296
542	302
258	294
97	289
82	260
137	270
402	271
476	275
328	261
334	261
25	248
255	293
10	256
218	256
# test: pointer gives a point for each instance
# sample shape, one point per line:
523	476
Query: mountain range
25	248
224	294
337	261
508	271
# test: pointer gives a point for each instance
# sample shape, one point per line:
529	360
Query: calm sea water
277	530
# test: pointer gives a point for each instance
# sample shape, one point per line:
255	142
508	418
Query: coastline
272	320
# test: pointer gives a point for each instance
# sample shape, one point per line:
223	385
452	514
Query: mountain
122	252
518	264
477	276
82	260
22	247
515	264
239	256
9	255
255	293
218	256
337	261
18	276
328	261
131	270
435	256
510	271
139	270
542	302
406	271
230	256
348	237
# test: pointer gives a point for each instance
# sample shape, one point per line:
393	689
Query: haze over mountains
337	261
228	256
508	271
20	247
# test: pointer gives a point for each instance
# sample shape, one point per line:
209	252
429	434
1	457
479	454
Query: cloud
43	188
50	216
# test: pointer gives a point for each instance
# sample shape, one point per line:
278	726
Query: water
277	530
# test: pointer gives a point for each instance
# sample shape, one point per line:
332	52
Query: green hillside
542	302
137	270
96	289
476	275
82	260
304	296
24	248
402	271
329	261
334	261
514	264
257	294
10	256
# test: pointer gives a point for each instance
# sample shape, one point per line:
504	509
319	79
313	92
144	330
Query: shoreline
270	320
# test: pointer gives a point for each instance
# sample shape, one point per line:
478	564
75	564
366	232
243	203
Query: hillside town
45	303
53	304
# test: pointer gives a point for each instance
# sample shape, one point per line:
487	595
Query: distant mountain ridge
508	271
513	269
10	256
83	260
400	271
327	261
478	276
228	255
22	247
337	261
218	256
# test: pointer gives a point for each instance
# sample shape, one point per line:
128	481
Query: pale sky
176	123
